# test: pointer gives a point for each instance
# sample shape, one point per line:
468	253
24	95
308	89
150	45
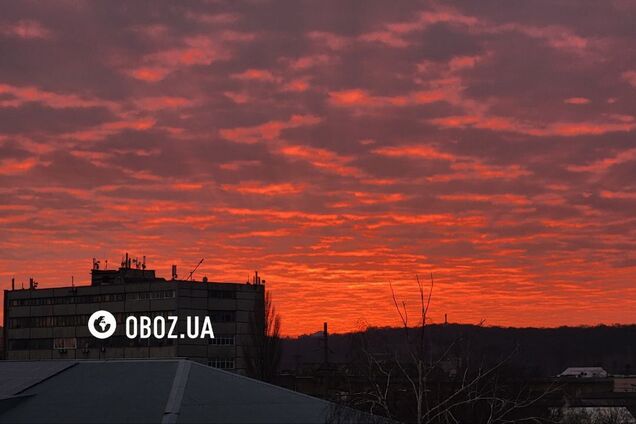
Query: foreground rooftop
169	391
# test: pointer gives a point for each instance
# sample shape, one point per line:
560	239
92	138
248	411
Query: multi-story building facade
52	323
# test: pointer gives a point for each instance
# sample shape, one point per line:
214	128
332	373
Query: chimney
325	335
174	272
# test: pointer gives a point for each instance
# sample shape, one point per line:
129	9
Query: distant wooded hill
536	352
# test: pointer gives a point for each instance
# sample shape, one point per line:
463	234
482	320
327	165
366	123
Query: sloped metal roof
18	376
166	391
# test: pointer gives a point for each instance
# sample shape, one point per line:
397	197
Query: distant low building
51	323
593	414
584	372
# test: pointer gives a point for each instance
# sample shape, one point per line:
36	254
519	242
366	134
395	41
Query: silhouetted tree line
539	352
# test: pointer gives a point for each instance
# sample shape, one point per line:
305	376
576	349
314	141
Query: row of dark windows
222	340
112	297
83	343
223	363
72	320
66	343
222	294
120	317
95	298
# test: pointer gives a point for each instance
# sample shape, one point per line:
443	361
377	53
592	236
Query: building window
40	344
222	340
113	297
222	316
223	363
19	344
49	321
222	294
30	344
65	343
162	294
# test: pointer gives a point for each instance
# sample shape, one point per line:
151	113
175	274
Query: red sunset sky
333	146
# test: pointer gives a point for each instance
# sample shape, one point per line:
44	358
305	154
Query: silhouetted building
51	323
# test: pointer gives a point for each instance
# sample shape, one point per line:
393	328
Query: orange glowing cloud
540	130
255	75
254	187
322	159
308	62
199	50
506	199
465	167
297	85
25	94
604	164
267	131
163	102
630	77
327	39
416	151
361	98
27	29
104	130
577	101
149	74
384	37
12	166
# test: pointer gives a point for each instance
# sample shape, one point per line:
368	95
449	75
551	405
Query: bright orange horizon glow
333	151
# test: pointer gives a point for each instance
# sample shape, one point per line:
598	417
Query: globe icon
102	324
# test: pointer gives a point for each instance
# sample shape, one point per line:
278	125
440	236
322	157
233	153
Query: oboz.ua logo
102	324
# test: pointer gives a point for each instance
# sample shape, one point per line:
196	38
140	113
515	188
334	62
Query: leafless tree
412	374
263	354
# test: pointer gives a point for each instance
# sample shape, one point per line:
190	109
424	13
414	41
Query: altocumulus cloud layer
334	146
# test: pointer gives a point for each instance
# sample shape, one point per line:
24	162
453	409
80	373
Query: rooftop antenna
127	262
195	268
